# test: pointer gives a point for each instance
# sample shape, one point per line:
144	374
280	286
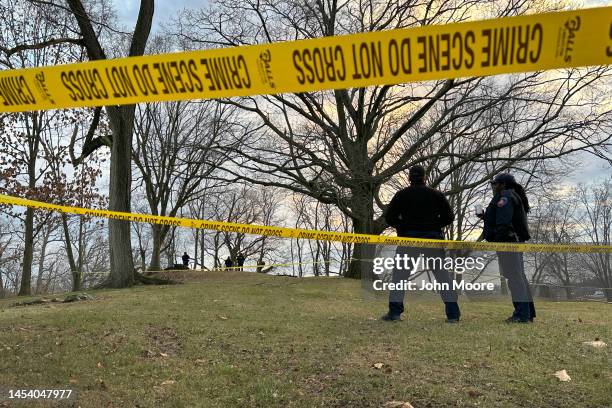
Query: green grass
247	340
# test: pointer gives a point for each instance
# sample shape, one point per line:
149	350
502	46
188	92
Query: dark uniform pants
449	297
512	268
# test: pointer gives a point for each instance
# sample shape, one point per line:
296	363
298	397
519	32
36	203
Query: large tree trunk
155	264
363	223
28	254
122	263
122	126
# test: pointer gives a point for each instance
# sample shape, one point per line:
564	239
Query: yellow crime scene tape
299	233
479	48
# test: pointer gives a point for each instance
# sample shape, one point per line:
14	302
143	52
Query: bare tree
121	120
11	250
343	147
30	38
143	233
176	150
243	204
312	214
7	255
597	228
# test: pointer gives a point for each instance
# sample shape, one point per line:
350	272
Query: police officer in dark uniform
185	259
240	259
505	220
229	263
419	211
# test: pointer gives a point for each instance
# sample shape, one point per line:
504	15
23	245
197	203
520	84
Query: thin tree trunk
316	264
568	290
292	258
300	266
195	248
1	286
28	254
81	251
76	275
41	260
28	251
170	250
202	247
327	255
143	260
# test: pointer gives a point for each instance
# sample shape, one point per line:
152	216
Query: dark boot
452	311
532	312
396	308
521	312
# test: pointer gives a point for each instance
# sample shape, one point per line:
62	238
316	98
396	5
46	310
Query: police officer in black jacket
505	220
419	211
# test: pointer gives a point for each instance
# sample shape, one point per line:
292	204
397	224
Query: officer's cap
505	178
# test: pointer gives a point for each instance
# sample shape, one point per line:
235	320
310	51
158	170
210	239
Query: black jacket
419	208
505	219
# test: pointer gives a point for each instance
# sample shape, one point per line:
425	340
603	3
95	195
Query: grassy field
248	340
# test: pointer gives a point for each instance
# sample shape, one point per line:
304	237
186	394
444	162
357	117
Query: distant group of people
419	211
229	263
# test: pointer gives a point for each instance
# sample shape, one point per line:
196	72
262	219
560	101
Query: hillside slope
247	340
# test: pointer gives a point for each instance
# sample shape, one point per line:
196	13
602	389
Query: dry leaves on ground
596	343
398	404
563	376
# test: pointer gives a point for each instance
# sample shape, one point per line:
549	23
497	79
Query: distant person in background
185	259
420	212
505	220
228	263
240	260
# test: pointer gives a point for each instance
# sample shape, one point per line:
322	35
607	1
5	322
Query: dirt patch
72	297
162	342
180	276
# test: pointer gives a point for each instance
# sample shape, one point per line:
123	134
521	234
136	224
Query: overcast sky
589	169
127	10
